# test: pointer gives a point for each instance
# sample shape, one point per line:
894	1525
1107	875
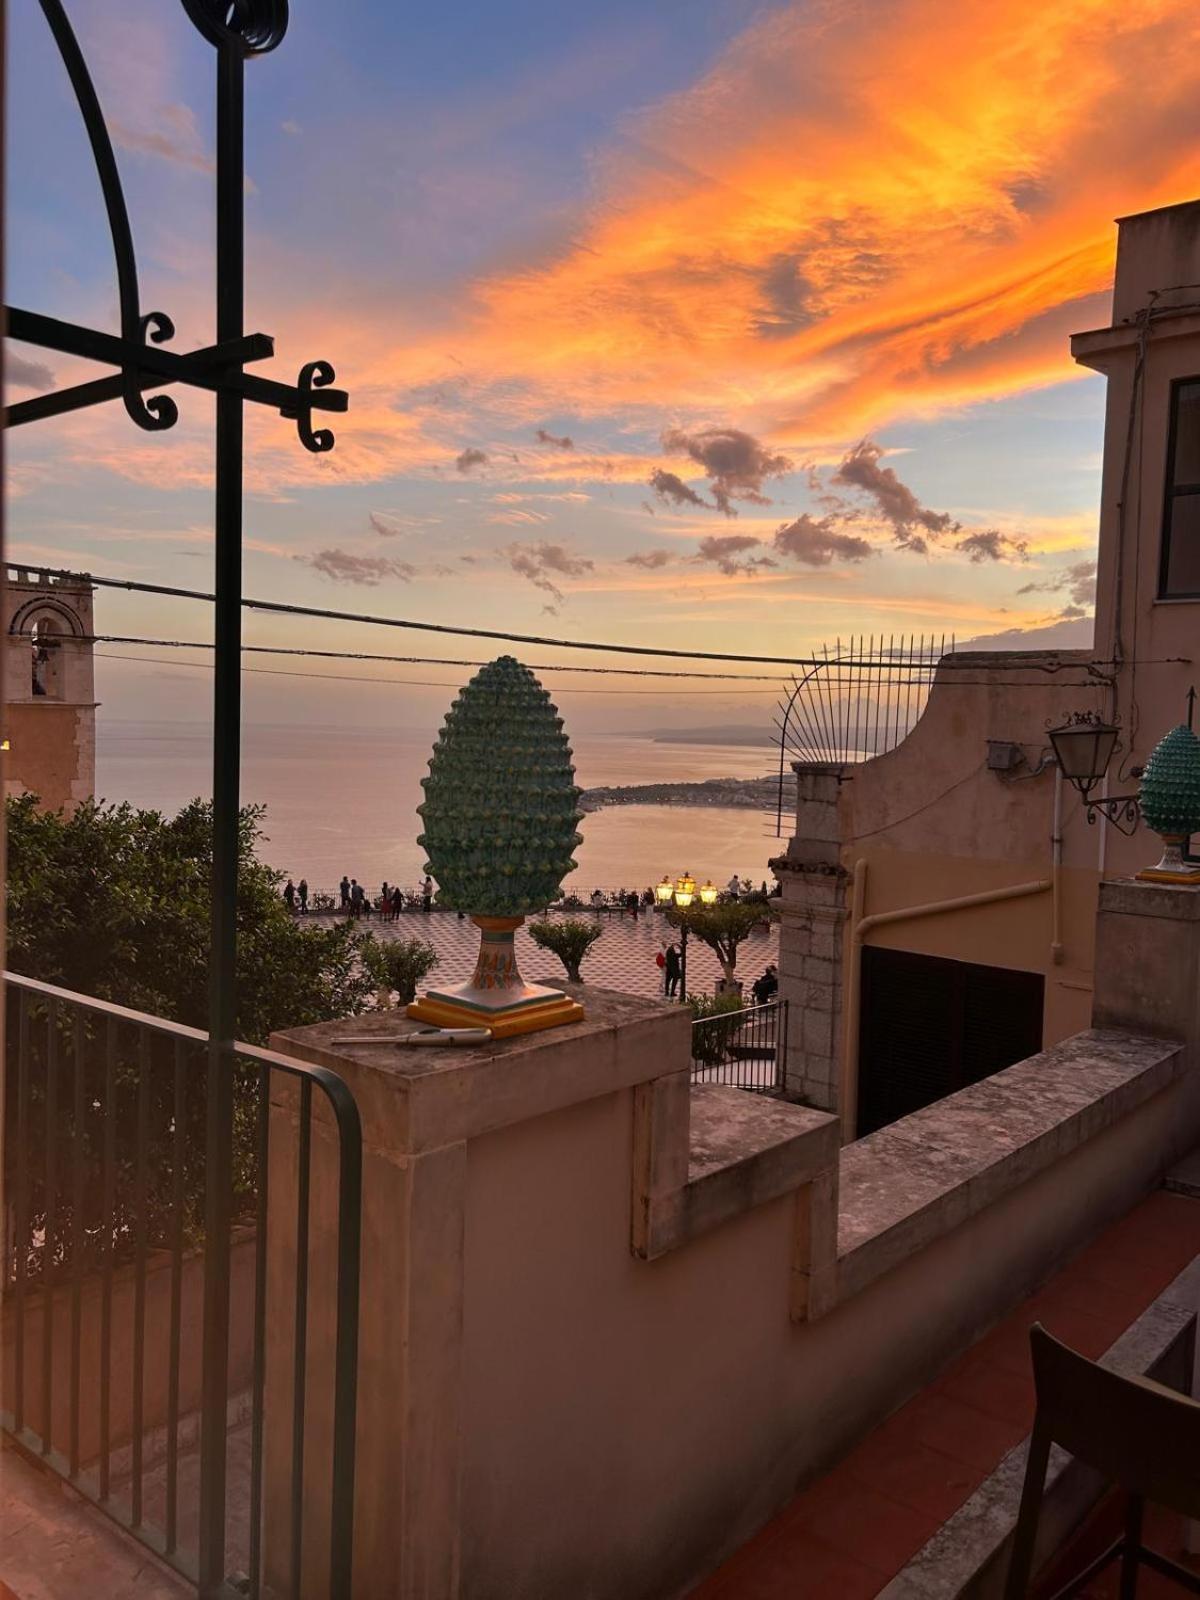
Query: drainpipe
1056	840
1102	829
862	925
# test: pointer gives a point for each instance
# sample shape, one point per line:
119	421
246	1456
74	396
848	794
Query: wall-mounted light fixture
1083	748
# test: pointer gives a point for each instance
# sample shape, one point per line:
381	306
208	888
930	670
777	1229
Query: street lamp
682	892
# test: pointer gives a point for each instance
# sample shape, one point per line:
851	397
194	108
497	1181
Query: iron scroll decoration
249	28
254	26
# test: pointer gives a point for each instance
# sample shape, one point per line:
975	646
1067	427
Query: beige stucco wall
626	1424
931	822
1157	640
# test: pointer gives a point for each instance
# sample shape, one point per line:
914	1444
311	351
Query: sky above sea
705	324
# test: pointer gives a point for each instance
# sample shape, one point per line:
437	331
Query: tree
114	903
570	941
397	965
723	927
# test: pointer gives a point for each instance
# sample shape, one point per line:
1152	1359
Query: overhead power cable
283	608
412	683
422	661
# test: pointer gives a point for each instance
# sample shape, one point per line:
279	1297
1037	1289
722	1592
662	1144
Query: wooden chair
1145	1438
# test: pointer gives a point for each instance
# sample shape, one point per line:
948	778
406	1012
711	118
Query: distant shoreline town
745	794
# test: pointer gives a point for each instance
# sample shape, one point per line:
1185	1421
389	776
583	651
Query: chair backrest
1139	1434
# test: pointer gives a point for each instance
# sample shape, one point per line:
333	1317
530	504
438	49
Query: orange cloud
861	214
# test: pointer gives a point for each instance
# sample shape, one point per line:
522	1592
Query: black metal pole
226	822
683	964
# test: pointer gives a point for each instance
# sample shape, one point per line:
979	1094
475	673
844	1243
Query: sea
343	800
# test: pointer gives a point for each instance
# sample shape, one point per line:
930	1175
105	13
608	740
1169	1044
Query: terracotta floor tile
804	1568
846	1535
913	1474
1077	1287
964	1432
995	1390
867	1526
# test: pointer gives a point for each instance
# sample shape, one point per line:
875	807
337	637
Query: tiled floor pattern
622	958
846	1535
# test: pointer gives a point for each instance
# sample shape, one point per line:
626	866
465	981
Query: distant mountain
738	733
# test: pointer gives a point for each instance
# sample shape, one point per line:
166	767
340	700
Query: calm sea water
344	800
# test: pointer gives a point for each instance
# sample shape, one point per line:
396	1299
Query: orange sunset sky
699	323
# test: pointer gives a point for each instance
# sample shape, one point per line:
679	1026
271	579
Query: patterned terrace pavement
622	958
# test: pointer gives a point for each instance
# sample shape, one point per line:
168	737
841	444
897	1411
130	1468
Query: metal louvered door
930	1027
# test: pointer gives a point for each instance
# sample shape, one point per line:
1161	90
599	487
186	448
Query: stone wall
610	1324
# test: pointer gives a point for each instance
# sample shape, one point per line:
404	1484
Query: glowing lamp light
663	891
685	890
708	893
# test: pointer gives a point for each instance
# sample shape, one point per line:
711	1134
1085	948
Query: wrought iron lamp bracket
1124	811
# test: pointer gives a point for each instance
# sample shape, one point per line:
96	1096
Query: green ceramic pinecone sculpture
501	804
1171	784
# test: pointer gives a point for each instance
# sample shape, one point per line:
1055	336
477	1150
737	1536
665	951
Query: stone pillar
1147	976
420	1110
813	913
547	1221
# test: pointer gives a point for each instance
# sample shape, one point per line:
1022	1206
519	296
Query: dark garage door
931	1026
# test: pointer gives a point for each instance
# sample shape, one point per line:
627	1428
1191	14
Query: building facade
939	900
49	688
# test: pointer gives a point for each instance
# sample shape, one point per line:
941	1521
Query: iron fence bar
255	347
77	1165
345	1376
300	1334
108	1217
144	1062
22	1208
178	1148
50	1242
262	1159
90	344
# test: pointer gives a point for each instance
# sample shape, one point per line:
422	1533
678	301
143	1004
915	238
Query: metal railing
105	1267
745	1049
859	701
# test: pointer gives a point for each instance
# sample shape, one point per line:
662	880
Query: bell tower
49	688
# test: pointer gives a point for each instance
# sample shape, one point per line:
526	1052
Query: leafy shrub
397	965
570	941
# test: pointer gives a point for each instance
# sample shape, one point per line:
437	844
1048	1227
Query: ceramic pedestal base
497	997
1172	868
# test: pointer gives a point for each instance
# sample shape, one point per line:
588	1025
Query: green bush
397	965
570	941
715	1023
